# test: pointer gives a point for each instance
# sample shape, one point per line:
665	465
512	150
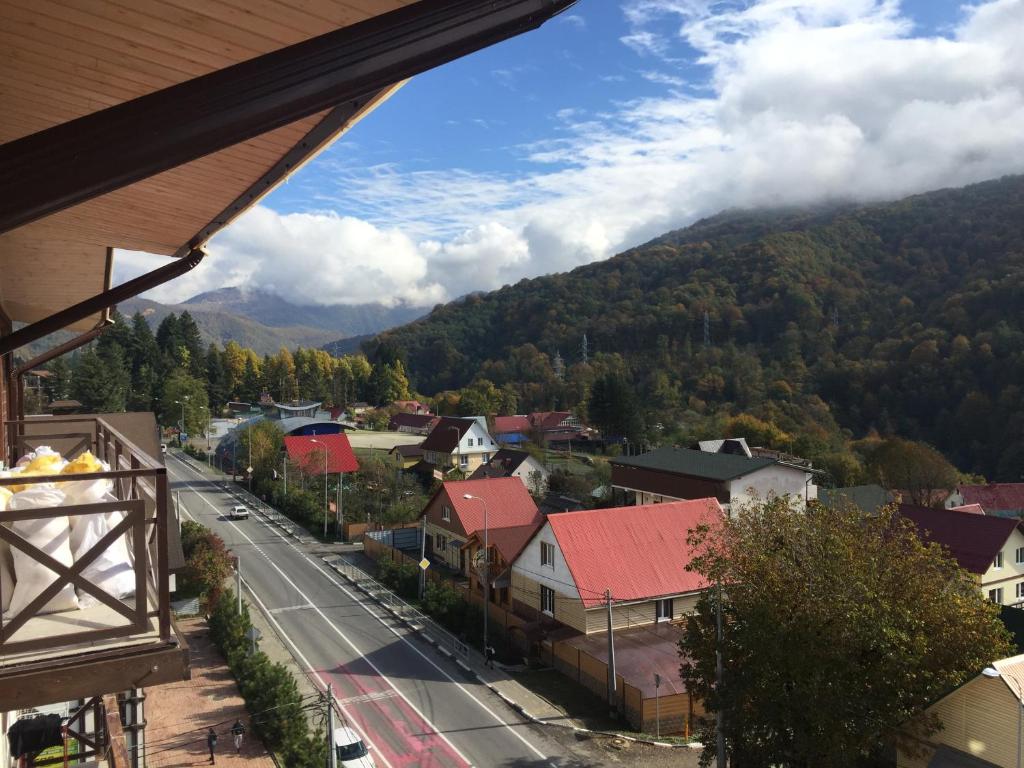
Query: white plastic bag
53	536
112	571
86	491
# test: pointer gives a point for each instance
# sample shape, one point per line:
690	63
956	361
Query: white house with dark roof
673	474
508	462
461	443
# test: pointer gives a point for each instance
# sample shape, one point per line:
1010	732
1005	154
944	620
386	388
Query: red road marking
403	737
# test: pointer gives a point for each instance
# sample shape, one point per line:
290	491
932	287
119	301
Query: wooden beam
86	675
76	161
118	754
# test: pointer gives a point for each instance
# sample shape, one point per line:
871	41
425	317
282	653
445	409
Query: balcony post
162	574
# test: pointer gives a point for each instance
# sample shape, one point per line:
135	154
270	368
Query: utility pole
612	696
286	473
238	582
333	759
340	516
719	716
423	556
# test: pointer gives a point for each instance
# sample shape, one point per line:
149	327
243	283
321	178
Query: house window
485	457
1020	555
547	554
547	600
996	595
663	609
446	513
439	543
1020	590
463	461
998	562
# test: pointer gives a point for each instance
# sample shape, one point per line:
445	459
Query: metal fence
412	617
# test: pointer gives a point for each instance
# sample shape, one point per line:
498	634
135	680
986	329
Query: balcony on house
75	637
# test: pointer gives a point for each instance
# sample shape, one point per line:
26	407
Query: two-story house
636	556
672	474
509	462
458	443
990	548
451	519
980	722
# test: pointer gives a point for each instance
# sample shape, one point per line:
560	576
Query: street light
327	505
487	569
179	402
995	673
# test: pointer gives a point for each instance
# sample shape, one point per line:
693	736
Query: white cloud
806	100
308	259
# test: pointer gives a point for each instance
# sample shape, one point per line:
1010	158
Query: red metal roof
973	540
548	419
509	541
971	509
310	455
637	552
509	504
994	496
504	425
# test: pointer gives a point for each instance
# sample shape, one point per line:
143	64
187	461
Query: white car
239	512
350	749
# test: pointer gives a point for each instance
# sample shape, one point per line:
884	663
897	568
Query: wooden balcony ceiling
67	58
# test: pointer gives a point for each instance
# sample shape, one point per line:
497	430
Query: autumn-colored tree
839	630
918	471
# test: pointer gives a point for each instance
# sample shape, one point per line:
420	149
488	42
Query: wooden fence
677	713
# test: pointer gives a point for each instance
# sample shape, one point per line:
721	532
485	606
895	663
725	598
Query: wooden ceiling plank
259	17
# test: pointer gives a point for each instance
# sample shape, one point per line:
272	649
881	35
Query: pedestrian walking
211	742
238	730
489	656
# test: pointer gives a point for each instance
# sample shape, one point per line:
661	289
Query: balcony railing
139	491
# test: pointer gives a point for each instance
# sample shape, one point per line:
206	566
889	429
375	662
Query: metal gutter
99	302
106	150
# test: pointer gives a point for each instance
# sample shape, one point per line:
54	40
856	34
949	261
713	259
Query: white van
239	512
350	749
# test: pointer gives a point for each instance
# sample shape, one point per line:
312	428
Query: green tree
181	389
58	386
918	470
267	443
218	384
100	382
839	628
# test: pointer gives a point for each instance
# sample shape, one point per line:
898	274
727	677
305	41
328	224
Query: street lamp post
182	404
993	672
486	569
327	504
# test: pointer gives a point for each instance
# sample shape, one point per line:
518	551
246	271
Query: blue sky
623	119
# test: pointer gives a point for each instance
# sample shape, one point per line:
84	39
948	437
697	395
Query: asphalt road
411	706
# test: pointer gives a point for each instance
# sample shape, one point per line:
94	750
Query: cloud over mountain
802	101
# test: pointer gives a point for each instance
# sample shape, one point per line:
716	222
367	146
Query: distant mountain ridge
269	309
266	322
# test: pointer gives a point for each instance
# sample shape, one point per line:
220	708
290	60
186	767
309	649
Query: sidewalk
178	714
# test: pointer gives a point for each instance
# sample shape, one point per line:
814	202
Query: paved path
178	714
412	707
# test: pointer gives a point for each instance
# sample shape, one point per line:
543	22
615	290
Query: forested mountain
902	318
265	322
